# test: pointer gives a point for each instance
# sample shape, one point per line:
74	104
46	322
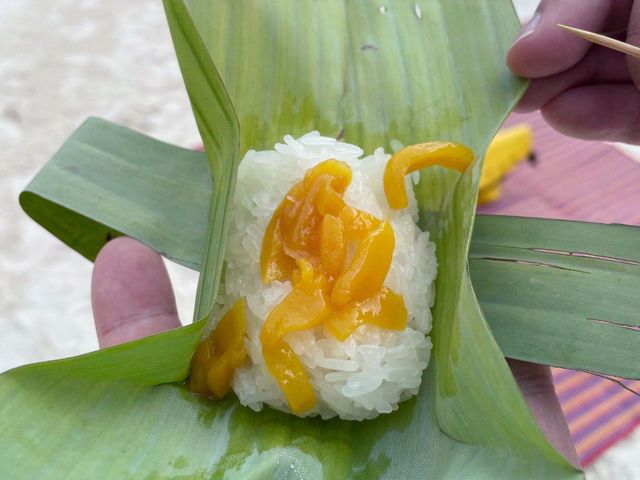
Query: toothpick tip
604	41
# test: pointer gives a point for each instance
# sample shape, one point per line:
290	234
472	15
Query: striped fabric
599	412
589	181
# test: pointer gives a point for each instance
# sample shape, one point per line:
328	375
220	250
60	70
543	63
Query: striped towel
588	181
599	412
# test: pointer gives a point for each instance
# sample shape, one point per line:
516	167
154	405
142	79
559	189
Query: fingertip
519	55
542	48
131	293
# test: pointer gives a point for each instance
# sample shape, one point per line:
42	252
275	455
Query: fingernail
529	28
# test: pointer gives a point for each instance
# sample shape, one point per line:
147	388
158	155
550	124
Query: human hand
132	297
131	293
582	90
536	385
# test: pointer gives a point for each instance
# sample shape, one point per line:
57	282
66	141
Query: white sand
61	62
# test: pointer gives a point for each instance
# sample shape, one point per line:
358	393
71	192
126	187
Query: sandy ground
71	60
61	62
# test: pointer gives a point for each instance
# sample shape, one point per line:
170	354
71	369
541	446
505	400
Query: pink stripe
592	401
619	409
560	374
569	394
588	456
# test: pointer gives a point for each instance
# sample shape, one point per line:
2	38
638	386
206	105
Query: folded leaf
219	129
107	180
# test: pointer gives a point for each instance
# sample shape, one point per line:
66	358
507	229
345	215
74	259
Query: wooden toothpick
611	43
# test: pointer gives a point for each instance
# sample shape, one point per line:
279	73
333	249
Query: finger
600	65
597	112
618	19
536	385
131	293
633	37
542	49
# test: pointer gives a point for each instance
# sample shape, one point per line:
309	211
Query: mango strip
304	307
217	356
415	157
507	148
385	310
333	245
274	263
285	366
308	240
290	229
368	269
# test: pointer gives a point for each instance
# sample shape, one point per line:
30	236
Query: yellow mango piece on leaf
217	356
415	157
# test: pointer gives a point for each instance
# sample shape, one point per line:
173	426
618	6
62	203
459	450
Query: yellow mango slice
285	366
292	232
339	171
357	223
368	268
415	157
217	356
328	201
304	307
333	247
200	364
507	149
274	263
385	310
221	372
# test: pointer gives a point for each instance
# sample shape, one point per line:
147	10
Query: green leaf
126	429
406	73
562	293
220	131
104	170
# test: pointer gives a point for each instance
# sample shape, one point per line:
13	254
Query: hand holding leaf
132	298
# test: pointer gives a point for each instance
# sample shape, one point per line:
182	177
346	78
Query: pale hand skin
132	297
582	90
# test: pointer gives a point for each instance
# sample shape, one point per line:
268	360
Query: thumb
536	385
131	293
633	37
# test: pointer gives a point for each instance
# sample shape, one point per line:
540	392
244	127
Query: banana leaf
558	292
376	75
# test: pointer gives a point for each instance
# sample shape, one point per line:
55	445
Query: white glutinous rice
373	369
